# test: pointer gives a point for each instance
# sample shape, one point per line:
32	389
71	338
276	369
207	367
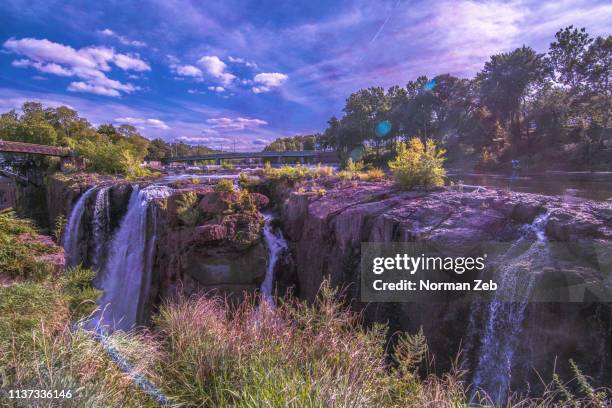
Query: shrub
247	182
353	167
290	174
20	252
224	185
58	230
245	203
187	209
78	291
372	174
416	164
323	171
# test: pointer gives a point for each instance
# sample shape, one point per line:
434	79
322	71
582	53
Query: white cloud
89	64
158	124
131	62
91	88
216	88
154	123
216	68
51	68
249	64
266	81
229	124
187	71
260	142
122	39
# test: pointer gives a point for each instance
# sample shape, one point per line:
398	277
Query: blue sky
211	72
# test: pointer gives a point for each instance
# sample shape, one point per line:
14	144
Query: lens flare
429	85
383	128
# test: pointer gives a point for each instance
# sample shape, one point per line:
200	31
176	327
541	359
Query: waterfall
515	278
73	228
276	244
101	224
126	276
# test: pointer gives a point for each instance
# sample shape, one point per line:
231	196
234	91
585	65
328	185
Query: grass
20	252
298	355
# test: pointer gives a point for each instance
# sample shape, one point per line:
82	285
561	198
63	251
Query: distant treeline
546	110
107	148
300	142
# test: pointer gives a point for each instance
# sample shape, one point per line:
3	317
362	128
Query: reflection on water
594	186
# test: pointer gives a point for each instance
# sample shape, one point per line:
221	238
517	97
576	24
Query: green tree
505	82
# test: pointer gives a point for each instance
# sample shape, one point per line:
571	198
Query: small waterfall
101	225
276	244
505	314
73	228
126	277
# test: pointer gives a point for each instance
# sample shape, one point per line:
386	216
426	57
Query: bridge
26	149
304	156
30	148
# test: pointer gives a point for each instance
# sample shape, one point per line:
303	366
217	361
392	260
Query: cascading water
73	228
276	245
126	277
101	223
505	313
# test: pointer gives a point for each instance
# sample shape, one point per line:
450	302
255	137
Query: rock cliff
325	231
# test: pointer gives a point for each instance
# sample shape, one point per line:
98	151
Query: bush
416	164
20	251
78	291
187	209
373	174
290	174
224	185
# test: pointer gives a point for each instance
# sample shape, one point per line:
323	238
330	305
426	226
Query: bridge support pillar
218	162
301	160
279	160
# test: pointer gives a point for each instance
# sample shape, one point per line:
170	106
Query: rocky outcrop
219	250
325	232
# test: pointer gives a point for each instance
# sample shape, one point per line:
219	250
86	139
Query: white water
101	221
276	244
71	234
506	312
126	277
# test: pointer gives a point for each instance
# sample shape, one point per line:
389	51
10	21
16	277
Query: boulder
260	200
217	202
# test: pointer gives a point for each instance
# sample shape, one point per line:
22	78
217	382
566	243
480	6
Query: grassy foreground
200	352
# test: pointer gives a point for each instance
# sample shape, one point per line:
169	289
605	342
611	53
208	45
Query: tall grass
296	355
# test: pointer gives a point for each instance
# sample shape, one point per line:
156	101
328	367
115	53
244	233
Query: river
569	185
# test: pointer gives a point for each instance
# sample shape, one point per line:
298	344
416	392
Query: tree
505	83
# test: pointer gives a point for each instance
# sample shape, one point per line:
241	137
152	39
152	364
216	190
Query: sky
247	72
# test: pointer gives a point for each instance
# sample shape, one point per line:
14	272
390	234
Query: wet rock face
325	233
221	252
